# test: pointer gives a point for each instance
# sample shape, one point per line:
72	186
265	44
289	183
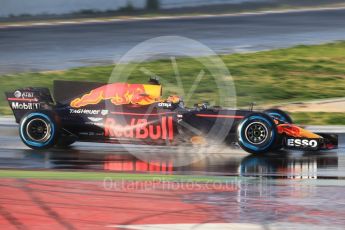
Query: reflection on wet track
282	190
278	165
148	159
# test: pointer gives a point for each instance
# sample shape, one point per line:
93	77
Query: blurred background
281	53
50	8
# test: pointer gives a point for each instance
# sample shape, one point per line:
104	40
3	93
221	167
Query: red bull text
140	129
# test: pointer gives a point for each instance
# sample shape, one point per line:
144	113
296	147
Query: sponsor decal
17	94
25	105
140	129
23	96
120	94
84	111
164	105
95	119
27	94
89	134
104	112
303	143
295	131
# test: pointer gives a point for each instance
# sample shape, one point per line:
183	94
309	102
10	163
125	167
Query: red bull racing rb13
137	114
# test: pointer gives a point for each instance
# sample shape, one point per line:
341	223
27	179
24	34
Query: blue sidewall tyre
32	143
272	133
281	115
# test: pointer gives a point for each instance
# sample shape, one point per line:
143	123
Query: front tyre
38	130
279	114
257	133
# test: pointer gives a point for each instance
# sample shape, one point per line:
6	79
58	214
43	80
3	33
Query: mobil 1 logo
25	105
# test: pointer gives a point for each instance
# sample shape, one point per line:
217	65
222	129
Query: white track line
213	226
110	20
227	226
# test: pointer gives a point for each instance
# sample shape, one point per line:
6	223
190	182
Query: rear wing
22	101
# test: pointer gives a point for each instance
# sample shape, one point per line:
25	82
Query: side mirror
251	107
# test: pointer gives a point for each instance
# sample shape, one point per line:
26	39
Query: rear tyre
257	133
279	114
38	130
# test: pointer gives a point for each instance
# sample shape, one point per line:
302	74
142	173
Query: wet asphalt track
283	190
65	46
216	161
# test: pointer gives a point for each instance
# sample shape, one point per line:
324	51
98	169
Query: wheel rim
256	133
38	130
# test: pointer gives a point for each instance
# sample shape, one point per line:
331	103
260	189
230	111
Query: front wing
295	137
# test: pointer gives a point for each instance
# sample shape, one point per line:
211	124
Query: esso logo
301	143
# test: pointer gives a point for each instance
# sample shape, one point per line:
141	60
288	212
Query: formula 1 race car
137	114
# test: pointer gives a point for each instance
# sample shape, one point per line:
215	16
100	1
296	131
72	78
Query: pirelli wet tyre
279	114
38	130
257	133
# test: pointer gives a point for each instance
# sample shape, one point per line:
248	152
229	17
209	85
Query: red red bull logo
295	131
119	94
140	129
